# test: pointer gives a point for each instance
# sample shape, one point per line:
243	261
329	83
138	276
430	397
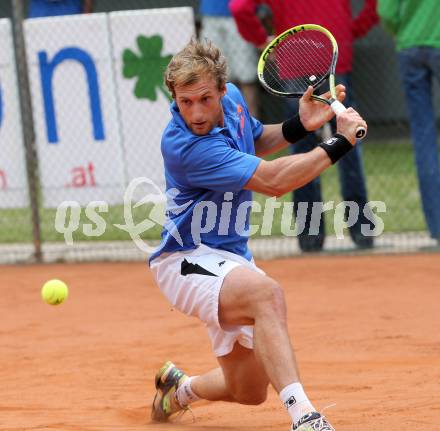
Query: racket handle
338	107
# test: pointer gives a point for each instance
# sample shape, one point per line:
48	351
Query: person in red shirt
336	16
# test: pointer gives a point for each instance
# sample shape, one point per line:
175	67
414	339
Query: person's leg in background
352	179
312	237
250	93
212	28
242	59
417	65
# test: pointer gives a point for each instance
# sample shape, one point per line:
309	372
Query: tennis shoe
167	380
313	421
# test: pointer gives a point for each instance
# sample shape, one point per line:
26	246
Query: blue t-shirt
205	176
214	8
41	8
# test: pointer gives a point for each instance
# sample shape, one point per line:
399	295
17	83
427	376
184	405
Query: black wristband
336	147
293	130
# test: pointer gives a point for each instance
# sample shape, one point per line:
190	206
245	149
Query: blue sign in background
47	69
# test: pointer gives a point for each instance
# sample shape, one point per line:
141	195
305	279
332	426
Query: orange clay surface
366	332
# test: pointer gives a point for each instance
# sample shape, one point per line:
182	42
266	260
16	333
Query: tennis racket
302	56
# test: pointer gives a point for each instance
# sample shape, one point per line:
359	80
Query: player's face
200	105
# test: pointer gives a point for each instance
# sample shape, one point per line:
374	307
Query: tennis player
212	152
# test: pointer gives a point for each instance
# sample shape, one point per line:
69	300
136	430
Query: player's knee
271	297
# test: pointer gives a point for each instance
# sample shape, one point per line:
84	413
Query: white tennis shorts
242	56
191	281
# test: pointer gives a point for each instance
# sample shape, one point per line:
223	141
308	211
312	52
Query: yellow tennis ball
54	292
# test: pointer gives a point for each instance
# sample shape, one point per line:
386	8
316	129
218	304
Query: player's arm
271	140
279	176
312	115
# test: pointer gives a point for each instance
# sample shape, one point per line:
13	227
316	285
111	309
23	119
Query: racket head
301	56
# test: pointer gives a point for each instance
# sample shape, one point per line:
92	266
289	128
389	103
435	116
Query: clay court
365	329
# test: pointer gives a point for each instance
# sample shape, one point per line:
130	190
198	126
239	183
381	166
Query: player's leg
228	295
248	297
211	386
175	390
251	298
191	281
240	378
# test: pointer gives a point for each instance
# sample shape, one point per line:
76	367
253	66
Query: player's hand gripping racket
302	56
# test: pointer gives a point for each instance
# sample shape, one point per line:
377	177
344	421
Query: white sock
184	394
296	402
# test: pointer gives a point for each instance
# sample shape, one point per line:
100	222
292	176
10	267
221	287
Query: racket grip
338	107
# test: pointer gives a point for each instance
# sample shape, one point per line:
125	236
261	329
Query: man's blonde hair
199	59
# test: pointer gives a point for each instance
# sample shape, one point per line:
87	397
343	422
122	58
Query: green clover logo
148	67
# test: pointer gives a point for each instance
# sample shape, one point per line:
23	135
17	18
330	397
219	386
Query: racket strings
300	50
282	71
296	56
300	60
